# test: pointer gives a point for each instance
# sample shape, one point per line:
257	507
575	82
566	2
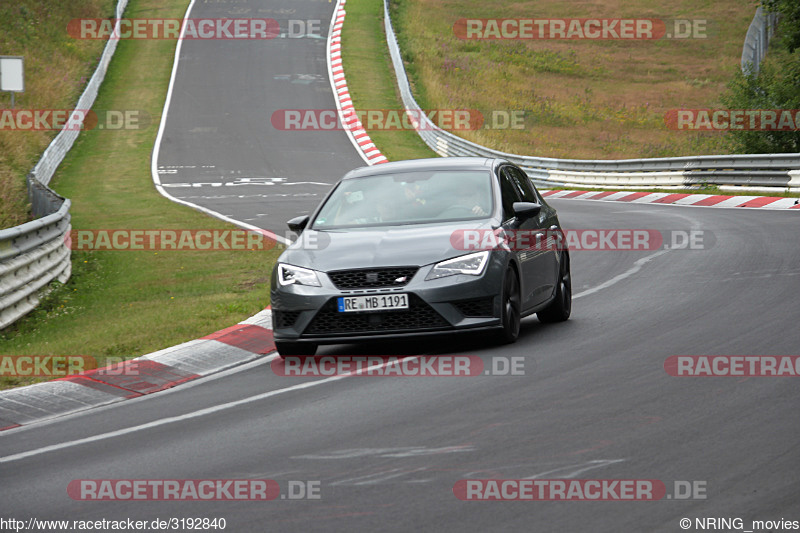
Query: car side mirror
526	209
298	224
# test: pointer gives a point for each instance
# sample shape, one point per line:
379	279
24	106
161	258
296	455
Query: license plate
384	302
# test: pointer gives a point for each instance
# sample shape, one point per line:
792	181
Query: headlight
472	264
290	274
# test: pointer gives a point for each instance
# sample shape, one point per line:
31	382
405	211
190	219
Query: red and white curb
696	200
236	345
344	104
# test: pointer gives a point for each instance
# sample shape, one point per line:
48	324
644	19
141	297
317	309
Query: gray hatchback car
421	247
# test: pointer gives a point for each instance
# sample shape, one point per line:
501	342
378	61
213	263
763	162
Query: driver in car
471	197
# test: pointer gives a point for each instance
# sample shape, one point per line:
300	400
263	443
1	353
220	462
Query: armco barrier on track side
759	34
31	256
757	170
35	253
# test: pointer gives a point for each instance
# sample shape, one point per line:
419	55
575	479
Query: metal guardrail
31	256
760	32
36	253
55	152
765	170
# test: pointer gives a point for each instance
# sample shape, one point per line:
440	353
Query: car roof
438	163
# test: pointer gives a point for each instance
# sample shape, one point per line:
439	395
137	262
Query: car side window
510	193
523	183
539	198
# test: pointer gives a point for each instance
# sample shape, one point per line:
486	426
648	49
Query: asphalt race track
594	403
593	400
220	149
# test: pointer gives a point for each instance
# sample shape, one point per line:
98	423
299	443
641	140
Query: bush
774	87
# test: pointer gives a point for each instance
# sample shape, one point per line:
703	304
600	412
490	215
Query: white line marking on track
157	146
168	420
637	266
187	416
571	471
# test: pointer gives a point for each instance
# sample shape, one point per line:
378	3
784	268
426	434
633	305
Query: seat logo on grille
401	279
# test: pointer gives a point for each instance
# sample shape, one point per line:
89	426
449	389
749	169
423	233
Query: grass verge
371	80
57	68
582	98
122	304
372	84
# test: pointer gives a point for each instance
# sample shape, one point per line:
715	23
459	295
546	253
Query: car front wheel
510	311
561	306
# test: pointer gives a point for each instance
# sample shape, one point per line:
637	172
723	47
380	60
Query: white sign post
12	75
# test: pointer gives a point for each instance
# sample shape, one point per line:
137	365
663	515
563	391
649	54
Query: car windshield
408	198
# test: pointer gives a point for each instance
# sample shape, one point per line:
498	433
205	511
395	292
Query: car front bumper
460	302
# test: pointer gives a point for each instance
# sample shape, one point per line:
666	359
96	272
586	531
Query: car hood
417	245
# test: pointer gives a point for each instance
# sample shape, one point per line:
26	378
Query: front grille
372	278
419	316
477	307
285	319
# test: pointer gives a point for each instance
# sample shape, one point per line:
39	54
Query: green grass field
585	99
123	304
56	71
371	81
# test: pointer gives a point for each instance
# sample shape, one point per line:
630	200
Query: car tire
295	348
510	308
561	306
